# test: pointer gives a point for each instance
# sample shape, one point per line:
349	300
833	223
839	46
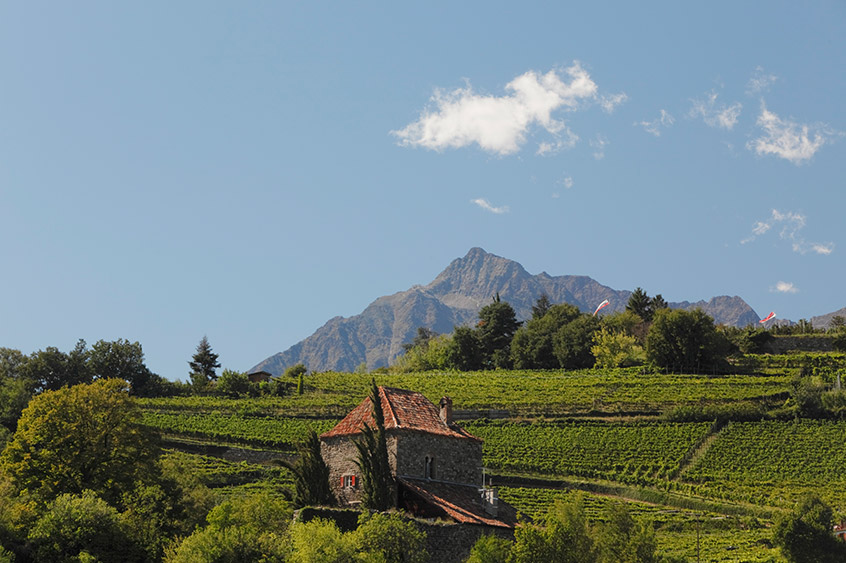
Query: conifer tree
377	482
203	363
640	304
311	475
541	306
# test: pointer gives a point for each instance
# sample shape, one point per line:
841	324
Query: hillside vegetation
726	455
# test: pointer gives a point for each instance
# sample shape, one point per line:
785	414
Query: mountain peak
454	298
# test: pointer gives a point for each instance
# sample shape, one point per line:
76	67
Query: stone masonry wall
456	460
446	543
340	454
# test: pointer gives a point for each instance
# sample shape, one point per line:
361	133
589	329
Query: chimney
446	410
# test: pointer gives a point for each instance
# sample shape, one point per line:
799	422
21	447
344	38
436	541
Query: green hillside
720	456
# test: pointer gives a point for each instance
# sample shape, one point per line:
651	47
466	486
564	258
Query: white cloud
789	140
824	249
566	140
784	287
760	81
610	102
500	125
484	204
760	228
790	223
567	182
662	121
598	145
713	115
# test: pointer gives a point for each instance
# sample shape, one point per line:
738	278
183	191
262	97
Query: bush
490	549
82	525
233	383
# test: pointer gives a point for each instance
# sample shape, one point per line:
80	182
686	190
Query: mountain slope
454	297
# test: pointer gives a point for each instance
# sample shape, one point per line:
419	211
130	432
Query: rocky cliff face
824	321
454	298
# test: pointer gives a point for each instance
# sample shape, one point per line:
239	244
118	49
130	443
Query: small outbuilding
437	465
259	376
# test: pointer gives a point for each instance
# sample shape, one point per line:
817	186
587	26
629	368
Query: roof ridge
390	407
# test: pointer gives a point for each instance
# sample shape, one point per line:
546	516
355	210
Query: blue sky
247	171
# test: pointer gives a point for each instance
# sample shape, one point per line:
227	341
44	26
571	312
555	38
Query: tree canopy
685	341
496	327
804	536
84	437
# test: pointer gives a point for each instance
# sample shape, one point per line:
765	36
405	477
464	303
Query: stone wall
340	455
451	543
446	543
456	460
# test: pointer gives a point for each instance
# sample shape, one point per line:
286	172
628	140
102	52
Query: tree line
560	336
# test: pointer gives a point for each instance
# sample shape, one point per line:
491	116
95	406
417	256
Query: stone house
437	465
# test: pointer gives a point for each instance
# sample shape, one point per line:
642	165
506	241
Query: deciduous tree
616	349
233	383
804	536
533	344
122	359
391	538
82	527
564	537
496	327
85	437
688	341
250	528
573	341
622	539
464	351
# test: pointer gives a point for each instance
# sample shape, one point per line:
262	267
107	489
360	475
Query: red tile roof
403	409
461	503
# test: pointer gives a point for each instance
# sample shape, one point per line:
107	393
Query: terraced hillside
548	434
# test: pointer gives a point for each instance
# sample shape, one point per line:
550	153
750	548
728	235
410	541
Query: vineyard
226	479
268	432
774	462
719	538
530	393
711	453
626	452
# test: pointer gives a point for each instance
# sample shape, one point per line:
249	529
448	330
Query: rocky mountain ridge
454	297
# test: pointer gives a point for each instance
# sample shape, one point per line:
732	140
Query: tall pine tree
203	363
377	482
640	304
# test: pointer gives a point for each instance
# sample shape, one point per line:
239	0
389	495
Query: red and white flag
601	305
770	316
